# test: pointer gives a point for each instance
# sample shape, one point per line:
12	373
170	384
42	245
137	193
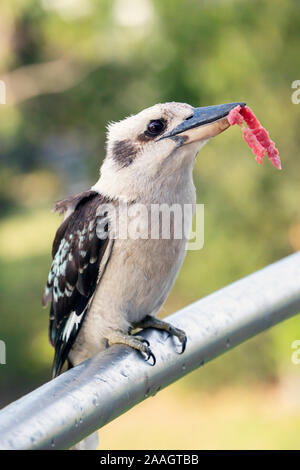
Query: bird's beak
204	123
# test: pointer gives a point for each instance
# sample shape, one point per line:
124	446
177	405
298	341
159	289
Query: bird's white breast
138	276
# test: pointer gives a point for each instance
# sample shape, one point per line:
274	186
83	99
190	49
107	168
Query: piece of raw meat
255	135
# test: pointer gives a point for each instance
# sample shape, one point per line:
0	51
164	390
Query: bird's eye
155	127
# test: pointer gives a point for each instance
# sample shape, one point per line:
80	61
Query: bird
103	287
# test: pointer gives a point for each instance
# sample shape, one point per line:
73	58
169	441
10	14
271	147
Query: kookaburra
103	287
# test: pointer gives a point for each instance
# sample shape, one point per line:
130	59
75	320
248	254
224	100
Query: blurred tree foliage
87	62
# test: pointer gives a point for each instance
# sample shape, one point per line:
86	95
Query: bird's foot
152	322
135	342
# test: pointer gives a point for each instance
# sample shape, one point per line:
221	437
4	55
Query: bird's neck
170	181
167	187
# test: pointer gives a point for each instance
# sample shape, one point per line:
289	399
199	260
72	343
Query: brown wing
78	248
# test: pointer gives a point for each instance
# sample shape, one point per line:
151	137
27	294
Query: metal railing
75	404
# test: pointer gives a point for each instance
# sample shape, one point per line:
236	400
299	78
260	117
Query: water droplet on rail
183	367
52	443
99	380
228	344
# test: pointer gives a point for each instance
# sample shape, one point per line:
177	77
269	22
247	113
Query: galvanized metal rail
67	409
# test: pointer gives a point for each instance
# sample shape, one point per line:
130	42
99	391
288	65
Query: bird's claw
141	339
151	355
183	341
139	343
180	334
143	346
145	349
152	322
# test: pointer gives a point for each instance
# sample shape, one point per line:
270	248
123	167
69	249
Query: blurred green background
70	66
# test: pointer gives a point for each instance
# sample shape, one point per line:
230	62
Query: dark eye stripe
124	152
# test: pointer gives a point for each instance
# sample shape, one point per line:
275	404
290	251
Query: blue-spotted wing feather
77	253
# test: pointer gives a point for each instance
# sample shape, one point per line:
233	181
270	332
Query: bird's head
157	144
